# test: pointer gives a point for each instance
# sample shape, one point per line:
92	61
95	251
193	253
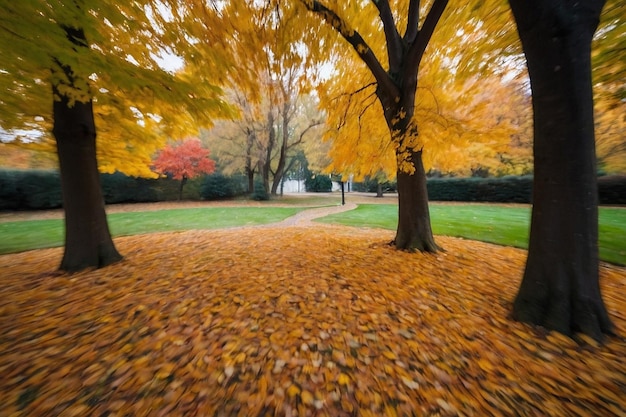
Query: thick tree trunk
379	190
414	231
88	242
560	288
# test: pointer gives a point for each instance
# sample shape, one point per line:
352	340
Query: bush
612	189
369	185
259	194
318	184
498	190
29	190
119	188
9	196
219	186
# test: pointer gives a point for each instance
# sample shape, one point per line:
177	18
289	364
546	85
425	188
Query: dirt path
306	217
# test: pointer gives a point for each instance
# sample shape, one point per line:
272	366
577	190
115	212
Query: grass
489	223
495	224
37	234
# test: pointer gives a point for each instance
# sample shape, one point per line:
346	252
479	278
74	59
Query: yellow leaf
343	379
307	397
293	390
390	355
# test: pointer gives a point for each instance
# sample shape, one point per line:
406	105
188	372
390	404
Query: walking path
306	217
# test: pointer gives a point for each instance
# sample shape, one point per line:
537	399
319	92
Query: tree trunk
183	181
379	190
278	177
250	139
88	242
414	231
560	288
282	157
267	161
250	174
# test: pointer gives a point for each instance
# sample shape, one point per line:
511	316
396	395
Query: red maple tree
184	161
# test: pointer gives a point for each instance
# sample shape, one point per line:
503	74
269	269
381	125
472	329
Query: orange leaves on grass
323	321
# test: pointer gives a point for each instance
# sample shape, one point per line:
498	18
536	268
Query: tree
184	161
275	71
396	87
104	54
560	288
75	133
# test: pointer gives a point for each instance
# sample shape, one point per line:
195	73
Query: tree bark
379	190
88	242
250	139
414	231
560	288
267	157
183	181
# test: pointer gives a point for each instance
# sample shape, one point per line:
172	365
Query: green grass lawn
496	224
37	234
490	223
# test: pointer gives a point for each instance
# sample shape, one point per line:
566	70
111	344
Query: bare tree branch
301	137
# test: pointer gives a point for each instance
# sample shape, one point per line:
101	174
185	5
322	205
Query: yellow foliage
135	100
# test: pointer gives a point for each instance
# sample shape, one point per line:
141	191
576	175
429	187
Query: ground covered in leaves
297	321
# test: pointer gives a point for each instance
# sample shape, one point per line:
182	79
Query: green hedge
38	189
28	190
611	189
497	190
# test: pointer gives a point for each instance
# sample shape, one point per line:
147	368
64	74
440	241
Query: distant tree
184	161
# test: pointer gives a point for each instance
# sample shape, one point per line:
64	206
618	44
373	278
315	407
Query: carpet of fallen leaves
325	321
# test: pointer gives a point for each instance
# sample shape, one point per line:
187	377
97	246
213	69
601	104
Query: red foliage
186	160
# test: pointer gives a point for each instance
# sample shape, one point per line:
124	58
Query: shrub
119	188
318	184
498	190
9	196
218	186
259	194
30	190
612	189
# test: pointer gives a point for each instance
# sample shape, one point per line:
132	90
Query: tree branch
301	137
358	43
413	22
417	48
394	42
